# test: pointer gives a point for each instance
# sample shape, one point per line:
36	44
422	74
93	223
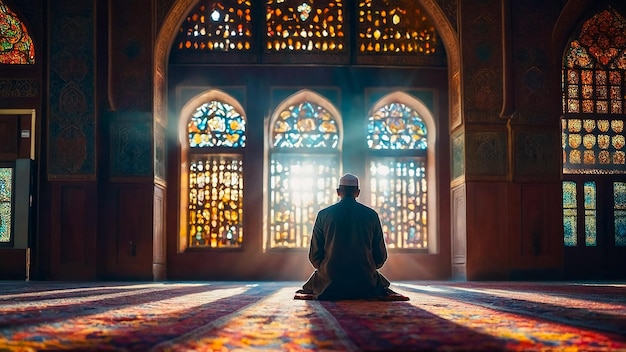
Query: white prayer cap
349	180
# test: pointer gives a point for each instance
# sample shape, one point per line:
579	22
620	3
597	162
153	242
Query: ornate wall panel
486	154
72	117
532	67
482	55
19	88
131	145
450	8
130	70
458	155
537	154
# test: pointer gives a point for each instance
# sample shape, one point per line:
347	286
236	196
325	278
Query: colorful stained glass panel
570	218
305	125
16	45
396	126
216	201
6	199
619	212
305	26
395	27
589	189
216	124
224	25
399	193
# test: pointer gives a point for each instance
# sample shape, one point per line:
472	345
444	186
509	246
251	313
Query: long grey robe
347	249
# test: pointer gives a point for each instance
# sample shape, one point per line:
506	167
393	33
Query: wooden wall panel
487	231
127	235
73	231
537	245
159	256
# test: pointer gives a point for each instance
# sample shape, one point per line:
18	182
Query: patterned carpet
246	316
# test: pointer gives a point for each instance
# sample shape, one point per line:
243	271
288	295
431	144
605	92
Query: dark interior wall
260	88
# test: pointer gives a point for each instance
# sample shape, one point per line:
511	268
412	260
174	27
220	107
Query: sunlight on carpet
245	316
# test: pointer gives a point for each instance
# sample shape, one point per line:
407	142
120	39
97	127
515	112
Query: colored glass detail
395	27
216	201
16	45
593	80
396	126
619	212
305	26
6	199
399	193
305	125
304	164
300	186
216	124
570	211
223	25
591	232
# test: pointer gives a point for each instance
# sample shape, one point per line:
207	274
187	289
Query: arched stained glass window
305	26
216	136
217	25
16	45
619	212
594	79
305	135
395	27
397	138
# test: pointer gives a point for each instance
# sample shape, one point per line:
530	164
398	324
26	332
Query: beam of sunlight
554	299
52	291
427	288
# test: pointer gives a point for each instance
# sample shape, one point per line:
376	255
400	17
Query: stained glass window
305	26
6	198
216	124
619	212
594	78
386	26
570	214
217	25
304	165
398	182
589	189
16	46
216	176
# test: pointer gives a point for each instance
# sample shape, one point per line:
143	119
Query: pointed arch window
215	129
305	26
217	25
305	140
593	136
16	45
594	80
398	138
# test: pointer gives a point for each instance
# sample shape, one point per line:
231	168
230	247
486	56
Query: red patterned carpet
248	316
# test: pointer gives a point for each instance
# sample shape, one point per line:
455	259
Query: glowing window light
216	201
215	187
304	164
217	25
398	184
310	26
395	27
399	193
16	45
